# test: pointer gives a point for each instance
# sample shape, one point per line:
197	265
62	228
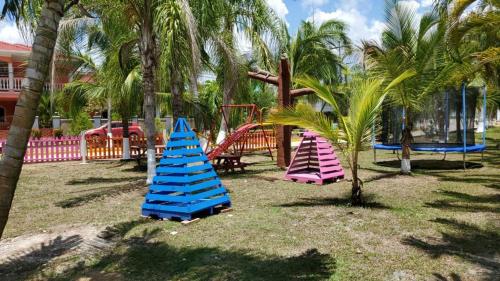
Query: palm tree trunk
193	84
27	104
126	140
228	89
148	58
356	195
406	141
176	89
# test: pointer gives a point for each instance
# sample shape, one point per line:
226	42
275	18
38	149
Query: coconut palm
179	50
220	22
317	51
37	72
354	128
414	52
473	48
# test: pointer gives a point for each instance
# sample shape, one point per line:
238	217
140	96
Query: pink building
13	61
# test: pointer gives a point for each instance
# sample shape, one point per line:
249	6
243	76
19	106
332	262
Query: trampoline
447	123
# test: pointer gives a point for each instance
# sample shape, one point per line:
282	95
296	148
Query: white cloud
314	3
359	26
411	4
426	3
279	7
9	33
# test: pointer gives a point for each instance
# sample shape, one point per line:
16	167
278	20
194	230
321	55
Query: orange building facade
13	61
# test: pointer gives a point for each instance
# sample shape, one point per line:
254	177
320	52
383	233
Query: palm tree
219	23
180	53
473	48
317	51
37	72
409	52
354	128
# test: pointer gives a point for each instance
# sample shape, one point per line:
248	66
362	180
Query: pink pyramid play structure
314	162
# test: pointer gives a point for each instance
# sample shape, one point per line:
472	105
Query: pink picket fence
52	150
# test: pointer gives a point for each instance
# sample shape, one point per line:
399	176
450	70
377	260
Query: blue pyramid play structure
185	181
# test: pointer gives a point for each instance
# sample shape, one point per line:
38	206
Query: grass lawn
441	223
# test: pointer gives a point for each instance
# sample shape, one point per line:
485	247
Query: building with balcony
13	62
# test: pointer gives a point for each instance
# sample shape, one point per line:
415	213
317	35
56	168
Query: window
2	114
4	69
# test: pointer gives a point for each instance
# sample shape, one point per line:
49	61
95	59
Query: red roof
14	47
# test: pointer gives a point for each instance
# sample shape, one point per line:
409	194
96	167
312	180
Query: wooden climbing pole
285	99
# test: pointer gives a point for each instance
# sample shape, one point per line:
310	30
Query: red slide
232	138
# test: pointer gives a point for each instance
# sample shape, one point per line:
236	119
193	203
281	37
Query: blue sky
364	17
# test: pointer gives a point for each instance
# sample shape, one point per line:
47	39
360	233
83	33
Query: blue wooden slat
183	160
184	179
188	208
185	198
192	188
182	151
177	135
182	143
183	170
207	203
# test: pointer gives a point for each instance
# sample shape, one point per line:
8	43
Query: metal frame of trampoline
429	148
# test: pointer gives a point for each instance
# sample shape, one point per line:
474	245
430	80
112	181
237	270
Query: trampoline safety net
439	123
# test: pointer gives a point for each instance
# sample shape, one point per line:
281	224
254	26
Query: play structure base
186	217
313	176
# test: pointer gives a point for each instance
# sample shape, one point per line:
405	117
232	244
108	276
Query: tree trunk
126	138
27	104
148	61
193	84
110	130
356	195
228	89
406	141
176	90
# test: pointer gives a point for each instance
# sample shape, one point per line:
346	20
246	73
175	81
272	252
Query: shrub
58	133
159	126
36	134
80	123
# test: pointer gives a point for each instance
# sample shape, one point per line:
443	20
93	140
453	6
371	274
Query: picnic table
229	162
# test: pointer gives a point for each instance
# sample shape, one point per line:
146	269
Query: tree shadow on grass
430	165
453	277
144	257
463	202
344	202
99	180
20	267
466	241
102	193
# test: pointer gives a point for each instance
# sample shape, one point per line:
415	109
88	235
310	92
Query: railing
104	147
18	85
51	150
4	84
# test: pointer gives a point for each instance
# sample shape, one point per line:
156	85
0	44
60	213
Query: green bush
159	125
36	134
81	122
58	133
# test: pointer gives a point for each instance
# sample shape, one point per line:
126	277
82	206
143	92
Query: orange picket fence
256	140
104	147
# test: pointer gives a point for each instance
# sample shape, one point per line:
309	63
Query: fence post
83	147
96	121
56	121
35	123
